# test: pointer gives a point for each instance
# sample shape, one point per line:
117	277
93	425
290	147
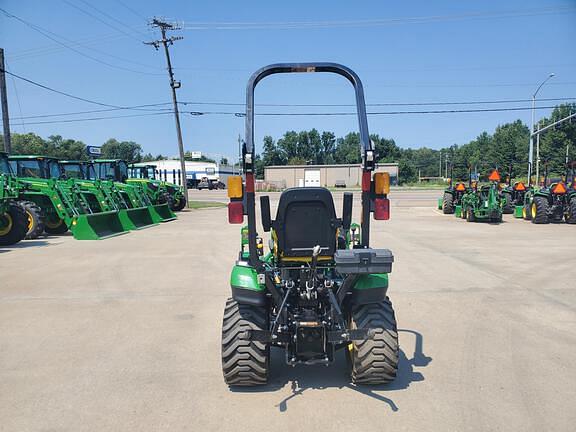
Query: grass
205	204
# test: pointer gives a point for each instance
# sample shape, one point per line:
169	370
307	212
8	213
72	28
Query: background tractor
61	205
555	201
321	289
451	201
114	173
482	201
160	190
13	218
514	194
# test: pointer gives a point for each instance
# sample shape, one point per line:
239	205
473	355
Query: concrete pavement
124	334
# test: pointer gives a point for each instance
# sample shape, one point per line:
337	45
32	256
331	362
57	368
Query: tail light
381	209
559	189
382	183
234	187
235	212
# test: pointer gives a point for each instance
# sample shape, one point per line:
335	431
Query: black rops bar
368	156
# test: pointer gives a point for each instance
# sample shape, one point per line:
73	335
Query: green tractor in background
116	171
107	197
59	205
451	201
513	195
13	217
482	203
320	290
158	189
555	201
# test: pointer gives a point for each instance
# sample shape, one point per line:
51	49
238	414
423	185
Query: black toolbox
362	261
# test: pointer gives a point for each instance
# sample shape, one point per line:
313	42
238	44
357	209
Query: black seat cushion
306	218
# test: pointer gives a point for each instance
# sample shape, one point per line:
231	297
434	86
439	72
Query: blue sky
405	52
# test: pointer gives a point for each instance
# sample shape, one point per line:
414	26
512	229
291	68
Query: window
29	168
210	171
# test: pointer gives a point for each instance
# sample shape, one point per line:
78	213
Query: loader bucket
136	218
162	213
97	226
440	203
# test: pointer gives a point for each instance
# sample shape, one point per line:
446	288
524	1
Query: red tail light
381	209
235	212
559	189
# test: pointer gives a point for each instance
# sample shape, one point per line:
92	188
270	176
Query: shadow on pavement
302	378
26	244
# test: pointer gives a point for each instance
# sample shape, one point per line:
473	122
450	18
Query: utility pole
440	166
166	42
4	102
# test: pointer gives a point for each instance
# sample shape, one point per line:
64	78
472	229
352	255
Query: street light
531	143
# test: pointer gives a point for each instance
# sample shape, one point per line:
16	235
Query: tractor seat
305	218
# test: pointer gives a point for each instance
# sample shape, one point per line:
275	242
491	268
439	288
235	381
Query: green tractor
554	201
105	196
451	201
57	204
513	195
13	218
114	172
320	289
482	203
159	190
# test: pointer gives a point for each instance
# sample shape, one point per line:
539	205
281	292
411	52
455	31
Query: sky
409	52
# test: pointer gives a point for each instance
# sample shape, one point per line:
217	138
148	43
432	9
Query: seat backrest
306	218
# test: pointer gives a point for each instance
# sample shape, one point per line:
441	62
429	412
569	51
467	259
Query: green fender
245	278
370	281
370	288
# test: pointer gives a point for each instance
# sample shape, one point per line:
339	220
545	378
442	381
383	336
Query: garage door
312	178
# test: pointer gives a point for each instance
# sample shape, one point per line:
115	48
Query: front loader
159	189
482	202
321	289
114	172
105	196
61	205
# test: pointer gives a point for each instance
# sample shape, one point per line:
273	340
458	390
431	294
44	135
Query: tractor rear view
556	201
513	195
451	201
482	202
321	289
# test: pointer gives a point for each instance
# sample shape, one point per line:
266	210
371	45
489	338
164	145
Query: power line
47	34
98	118
373	22
485	102
136	13
96	111
45	87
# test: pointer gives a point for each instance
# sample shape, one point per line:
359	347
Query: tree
224	161
126	150
348	149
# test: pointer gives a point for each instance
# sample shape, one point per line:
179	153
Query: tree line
507	144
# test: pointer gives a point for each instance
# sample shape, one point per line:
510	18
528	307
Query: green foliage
126	150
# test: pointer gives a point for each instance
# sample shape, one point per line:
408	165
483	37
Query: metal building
345	175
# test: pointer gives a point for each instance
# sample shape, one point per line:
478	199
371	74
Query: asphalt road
124	334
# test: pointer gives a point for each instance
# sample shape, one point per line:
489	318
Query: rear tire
244	362
35	219
14	224
374	361
509	206
179	204
470	215
539	210
57	227
571	215
448	204
526	212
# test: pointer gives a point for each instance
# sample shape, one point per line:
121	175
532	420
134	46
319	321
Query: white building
195	171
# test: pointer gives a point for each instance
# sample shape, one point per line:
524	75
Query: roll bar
248	150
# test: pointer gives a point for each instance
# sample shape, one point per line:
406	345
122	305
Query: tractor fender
245	286
369	288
